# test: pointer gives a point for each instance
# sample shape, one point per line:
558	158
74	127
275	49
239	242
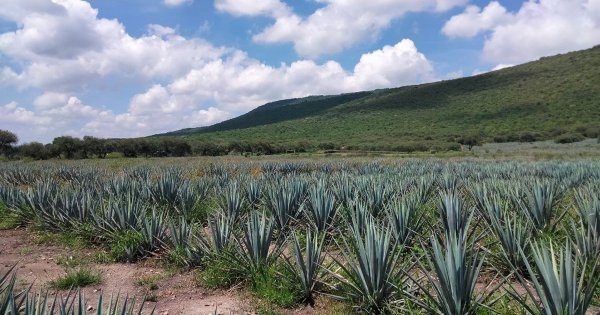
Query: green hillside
539	100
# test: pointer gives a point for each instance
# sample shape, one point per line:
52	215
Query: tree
34	150
67	145
96	146
7	141
470	141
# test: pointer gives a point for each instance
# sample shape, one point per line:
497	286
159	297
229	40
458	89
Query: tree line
91	147
68	147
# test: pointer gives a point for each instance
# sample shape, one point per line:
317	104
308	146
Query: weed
125	246
220	272
77	279
150	282
70	261
276	285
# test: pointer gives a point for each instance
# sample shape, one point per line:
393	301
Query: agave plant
180	234
369	274
231	202
559	284
513	234
122	214
186	200
456	268
220	227
404	221
254	193
254	250
10	301
285	204
154	231
306	264
321	207
455	218
540	205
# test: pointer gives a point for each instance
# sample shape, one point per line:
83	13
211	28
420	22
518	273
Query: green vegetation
149	282
80	278
534	101
389	236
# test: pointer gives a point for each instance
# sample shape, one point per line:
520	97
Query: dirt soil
176	293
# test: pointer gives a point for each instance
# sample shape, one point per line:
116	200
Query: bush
529	137
569	138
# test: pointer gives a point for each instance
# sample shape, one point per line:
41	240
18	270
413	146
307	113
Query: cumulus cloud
188	82
333	28
474	20
66	44
176	3
538	28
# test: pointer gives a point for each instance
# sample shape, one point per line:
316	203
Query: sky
129	68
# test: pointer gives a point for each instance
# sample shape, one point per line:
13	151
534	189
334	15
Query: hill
545	99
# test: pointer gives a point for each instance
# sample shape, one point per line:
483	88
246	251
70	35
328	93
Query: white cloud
392	66
502	66
67	44
474	20
176	3
50	100
189	82
12	113
538	28
160	30
332	28
274	8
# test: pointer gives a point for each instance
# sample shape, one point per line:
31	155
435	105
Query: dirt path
175	293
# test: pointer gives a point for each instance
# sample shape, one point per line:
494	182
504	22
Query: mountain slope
537	100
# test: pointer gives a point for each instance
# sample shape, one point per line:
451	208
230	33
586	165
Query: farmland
376	236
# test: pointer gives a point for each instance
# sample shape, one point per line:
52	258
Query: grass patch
77	279
70	261
149	282
126	246
219	273
69	240
8	220
276	285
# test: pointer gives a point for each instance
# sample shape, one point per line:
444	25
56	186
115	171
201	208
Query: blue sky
133	68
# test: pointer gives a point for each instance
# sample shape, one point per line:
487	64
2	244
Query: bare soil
177	293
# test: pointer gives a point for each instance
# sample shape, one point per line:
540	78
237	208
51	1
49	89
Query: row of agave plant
414	236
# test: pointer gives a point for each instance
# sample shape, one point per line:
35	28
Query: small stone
90	308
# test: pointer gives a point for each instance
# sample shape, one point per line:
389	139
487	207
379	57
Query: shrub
569	138
126	246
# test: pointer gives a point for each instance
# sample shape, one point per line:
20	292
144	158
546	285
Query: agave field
406	237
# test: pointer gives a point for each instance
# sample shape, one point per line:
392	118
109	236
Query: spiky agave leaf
540	205
455	217
254	250
403	219
221	227
369	273
561	285
307	265
231	202
321	207
456	267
